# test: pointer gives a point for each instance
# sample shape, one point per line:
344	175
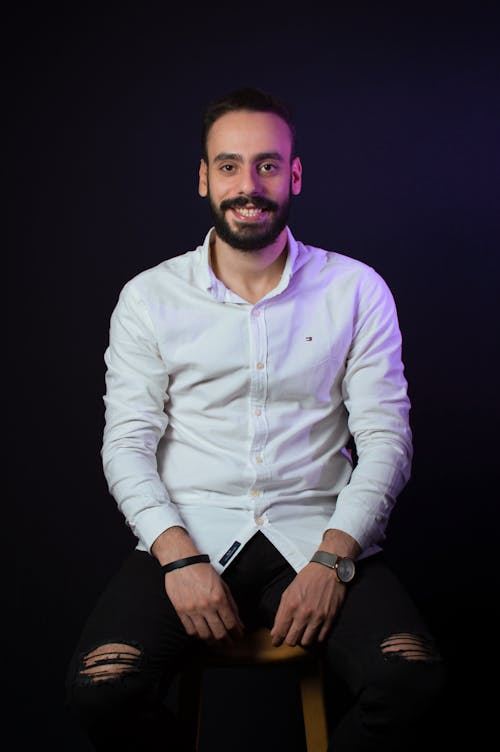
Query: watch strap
323	557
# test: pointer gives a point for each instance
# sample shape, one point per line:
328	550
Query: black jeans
379	652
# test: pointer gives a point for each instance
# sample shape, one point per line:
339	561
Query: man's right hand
203	602
201	598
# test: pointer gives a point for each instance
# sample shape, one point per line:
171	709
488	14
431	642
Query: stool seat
256	648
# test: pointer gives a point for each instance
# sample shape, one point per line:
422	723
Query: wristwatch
343	566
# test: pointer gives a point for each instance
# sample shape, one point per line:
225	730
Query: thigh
135	610
379	623
378	602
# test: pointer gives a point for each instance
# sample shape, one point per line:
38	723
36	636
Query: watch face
345	570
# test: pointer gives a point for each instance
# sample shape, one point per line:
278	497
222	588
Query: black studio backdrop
397	115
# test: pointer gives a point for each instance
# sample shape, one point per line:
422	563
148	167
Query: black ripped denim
380	660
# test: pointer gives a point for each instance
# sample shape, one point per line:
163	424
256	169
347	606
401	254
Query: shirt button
254	492
260	365
259	521
256	312
258	411
258	459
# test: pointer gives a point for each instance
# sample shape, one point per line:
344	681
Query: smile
249	213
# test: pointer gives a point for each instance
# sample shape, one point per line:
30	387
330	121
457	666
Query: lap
135	609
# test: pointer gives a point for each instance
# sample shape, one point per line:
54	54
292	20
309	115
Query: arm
136	391
376	399
375	396
135	420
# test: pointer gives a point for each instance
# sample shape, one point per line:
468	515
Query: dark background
397	114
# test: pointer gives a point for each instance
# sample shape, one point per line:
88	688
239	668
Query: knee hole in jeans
108	662
409	647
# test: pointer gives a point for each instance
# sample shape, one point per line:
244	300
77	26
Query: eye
267	168
228	168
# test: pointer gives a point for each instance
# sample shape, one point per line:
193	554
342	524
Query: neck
249	274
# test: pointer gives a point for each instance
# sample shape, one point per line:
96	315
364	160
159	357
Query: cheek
283	195
219	190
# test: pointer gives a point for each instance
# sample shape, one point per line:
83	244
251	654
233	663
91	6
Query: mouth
249	213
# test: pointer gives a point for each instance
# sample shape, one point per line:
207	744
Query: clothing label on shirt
229	553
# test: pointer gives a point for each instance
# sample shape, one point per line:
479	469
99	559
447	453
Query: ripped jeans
383	666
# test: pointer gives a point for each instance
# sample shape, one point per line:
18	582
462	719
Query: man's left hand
308	607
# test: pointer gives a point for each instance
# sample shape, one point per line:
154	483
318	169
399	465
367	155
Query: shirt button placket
259	336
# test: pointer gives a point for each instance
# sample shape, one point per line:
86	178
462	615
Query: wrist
340	543
343	566
185	562
173	544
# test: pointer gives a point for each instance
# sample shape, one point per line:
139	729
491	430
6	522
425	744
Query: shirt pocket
307	376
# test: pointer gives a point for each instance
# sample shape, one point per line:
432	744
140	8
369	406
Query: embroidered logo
229	553
308	339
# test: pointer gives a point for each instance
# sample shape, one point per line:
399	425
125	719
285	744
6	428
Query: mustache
258	201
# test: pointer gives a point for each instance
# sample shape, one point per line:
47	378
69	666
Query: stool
254	649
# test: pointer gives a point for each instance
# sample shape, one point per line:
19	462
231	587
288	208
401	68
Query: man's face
249	178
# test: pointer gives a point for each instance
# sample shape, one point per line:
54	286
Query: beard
249	237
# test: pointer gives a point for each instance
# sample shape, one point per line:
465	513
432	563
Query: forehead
247	133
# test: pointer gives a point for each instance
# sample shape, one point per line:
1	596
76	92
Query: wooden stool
256	648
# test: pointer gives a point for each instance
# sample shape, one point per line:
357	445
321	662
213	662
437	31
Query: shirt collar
295	259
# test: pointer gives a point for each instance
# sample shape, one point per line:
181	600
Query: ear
296	181
203	179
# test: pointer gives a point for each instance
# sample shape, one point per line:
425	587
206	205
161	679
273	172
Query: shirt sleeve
375	395
135	419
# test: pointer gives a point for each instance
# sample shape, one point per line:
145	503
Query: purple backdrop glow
397	117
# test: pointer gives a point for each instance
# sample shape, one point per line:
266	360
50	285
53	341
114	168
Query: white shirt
227	418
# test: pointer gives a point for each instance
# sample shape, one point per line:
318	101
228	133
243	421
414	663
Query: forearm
136	420
365	504
174	543
340	543
377	405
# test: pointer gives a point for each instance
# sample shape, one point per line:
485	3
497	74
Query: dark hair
246	98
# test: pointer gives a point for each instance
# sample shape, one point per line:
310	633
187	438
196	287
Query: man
237	376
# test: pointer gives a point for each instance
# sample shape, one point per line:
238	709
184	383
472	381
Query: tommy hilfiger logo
308	339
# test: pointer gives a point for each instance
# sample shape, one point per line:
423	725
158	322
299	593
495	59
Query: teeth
249	212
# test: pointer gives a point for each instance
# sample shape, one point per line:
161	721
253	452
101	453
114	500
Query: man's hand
203	602
201	598
308	606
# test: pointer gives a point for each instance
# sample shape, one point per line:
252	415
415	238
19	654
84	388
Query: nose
250	181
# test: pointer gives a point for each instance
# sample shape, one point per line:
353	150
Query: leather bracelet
185	562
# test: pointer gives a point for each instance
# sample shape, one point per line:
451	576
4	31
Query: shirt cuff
153	521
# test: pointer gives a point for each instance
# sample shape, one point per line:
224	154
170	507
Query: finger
202	630
282	624
294	634
188	625
325	629
217	627
311	633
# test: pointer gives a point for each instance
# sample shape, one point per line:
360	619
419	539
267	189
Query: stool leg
313	707
189	704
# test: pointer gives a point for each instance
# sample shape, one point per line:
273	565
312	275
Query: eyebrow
224	155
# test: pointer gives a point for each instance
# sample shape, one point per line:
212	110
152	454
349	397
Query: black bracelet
185	562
